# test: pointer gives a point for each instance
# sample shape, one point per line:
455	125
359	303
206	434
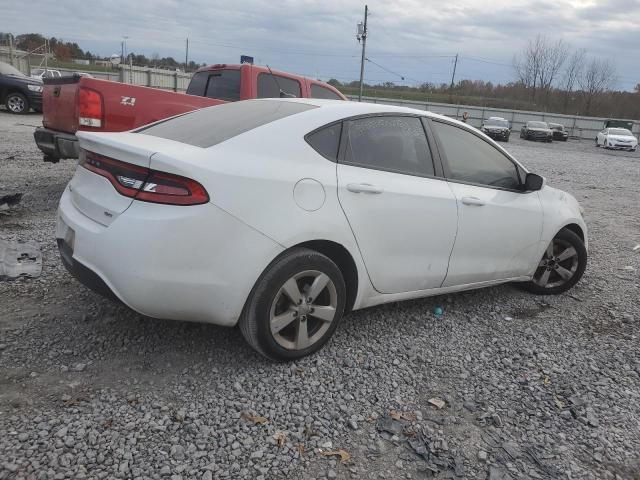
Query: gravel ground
502	385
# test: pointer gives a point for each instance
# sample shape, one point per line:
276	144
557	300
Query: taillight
90	109
143	183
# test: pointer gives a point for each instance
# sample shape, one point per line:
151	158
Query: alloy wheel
558	265
16	104
303	310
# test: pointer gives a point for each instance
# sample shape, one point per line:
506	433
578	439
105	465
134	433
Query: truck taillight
143	183
90	108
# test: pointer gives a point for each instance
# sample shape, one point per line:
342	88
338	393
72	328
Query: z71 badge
128	101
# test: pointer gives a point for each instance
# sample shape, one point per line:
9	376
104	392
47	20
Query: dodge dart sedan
282	215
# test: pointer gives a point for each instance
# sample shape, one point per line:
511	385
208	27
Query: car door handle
472	201
364	188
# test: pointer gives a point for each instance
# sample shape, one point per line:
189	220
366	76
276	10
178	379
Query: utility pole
186	56
453	76
362	34
11	49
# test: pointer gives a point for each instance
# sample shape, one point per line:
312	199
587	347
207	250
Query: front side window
394	144
471	159
318	91
276	86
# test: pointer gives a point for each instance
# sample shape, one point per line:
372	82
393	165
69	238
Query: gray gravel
529	387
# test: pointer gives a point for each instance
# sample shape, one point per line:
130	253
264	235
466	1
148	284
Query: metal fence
577	126
148	77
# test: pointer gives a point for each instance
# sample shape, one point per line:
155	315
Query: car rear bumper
56	145
195	263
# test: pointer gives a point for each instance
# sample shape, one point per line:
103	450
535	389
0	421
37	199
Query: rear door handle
472	201
364	188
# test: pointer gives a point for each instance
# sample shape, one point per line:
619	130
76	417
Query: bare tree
551	60
598	76
527	65
539	64
572	73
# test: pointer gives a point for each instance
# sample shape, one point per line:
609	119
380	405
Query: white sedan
284	214
617	138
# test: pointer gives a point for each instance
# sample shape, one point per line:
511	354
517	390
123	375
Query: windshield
620	131
497	123
555	126
6	69
537	125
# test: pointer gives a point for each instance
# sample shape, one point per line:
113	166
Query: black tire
255	322
16	103
568	239
506	140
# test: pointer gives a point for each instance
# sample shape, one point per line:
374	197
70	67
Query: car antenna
282	92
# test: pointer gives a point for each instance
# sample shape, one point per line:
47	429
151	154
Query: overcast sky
411	38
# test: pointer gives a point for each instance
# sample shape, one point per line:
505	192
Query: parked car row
499	128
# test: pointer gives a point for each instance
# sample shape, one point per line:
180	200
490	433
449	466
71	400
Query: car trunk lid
94	195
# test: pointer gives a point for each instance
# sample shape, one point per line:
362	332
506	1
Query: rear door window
318	91
221	84
393	144
269	86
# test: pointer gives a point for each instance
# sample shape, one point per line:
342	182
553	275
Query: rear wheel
561	267
17	103
295	306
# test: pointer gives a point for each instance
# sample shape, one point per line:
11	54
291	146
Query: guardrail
576	125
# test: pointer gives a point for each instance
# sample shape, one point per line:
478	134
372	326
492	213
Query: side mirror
533	182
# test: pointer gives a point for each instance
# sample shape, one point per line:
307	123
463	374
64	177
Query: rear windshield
210	126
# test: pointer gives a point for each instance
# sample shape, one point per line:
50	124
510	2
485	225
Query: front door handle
472	201
364	188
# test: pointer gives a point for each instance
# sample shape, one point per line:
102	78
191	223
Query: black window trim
438	174
340	141
447	171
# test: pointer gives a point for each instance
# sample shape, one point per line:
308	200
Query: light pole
123	44
362	35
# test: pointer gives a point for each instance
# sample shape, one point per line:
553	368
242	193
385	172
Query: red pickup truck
82	103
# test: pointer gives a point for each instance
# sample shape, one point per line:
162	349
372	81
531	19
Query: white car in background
617	138
284	214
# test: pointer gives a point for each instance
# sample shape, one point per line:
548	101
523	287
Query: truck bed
124	106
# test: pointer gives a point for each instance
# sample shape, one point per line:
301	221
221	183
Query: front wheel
17	103
295	306
561	267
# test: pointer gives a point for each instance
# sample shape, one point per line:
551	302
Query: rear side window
269	86
394	144
213	125
326	141
471	159
222	84
322	92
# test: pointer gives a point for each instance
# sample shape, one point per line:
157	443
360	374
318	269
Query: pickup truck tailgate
59	104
